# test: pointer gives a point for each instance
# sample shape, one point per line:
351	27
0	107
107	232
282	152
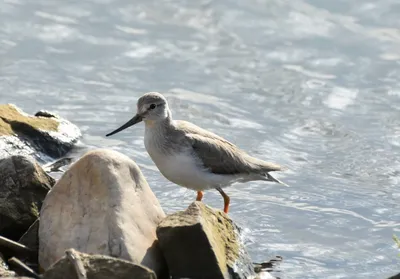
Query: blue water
312	85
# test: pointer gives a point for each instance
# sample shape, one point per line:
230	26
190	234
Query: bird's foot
199	196
226	199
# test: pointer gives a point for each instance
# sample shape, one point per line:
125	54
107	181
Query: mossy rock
11	118
201	242
45	136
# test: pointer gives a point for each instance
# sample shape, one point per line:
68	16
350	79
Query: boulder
23	187
43	136
97	267
203	243
102	205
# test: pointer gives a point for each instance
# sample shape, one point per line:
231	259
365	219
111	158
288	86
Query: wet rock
4	269
203	243
43	136
102	205
4	272
23	187
98	267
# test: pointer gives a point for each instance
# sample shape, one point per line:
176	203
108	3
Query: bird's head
152	107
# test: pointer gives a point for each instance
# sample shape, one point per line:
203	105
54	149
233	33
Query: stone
44	136
397	276
203	243
102	205
30	239
5	272
23	187
4	269
264	269
99	267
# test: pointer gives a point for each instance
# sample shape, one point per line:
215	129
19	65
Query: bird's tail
271	178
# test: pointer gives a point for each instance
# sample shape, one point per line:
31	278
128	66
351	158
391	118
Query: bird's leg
199	196
226	199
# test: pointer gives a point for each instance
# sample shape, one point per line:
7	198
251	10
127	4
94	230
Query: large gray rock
44	136
98	267
102	205
203	243
23	187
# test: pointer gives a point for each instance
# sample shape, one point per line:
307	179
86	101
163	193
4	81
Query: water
313	85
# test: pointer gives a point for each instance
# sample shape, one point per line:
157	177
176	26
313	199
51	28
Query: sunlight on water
312	85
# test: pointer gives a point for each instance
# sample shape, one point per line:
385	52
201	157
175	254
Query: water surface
313	85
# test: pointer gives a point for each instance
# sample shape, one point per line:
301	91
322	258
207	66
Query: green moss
34	209
397	241
9	114
5	128
229	244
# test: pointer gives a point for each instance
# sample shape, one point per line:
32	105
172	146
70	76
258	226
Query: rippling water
313	85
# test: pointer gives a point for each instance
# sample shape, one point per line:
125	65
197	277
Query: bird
193	157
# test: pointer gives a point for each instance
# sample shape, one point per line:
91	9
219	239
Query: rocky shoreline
103	209
101	218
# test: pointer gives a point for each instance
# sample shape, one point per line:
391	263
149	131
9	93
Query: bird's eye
152	106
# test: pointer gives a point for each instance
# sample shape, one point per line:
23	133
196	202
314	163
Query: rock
4	269
397	276
30	239
263	269
102	205
23	187
5	272
98	267
43	136
203	243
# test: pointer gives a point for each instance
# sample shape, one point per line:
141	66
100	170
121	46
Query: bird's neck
159	125
156	135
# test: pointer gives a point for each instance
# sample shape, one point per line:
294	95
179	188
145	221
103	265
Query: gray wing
220	156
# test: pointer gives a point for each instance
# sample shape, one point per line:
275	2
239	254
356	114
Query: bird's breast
177	165
179	168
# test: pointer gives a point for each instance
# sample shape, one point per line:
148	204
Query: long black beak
136	119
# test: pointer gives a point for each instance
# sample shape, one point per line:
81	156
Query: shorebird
193	157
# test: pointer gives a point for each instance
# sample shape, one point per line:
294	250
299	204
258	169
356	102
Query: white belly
183	169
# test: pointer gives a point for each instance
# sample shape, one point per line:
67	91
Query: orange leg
199	196
226	199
